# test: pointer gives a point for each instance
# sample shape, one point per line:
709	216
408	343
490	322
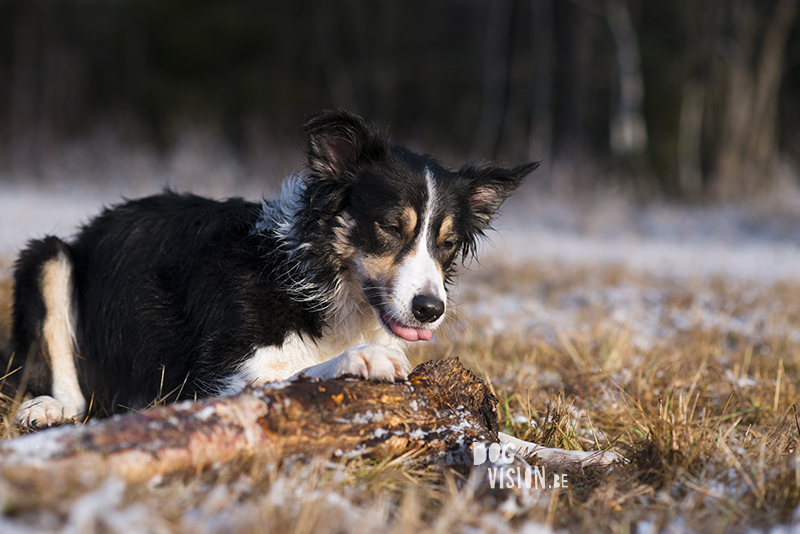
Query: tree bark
440	411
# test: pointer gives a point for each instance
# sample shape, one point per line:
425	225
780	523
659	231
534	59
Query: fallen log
441	410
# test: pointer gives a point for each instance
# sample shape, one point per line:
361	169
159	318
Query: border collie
180	296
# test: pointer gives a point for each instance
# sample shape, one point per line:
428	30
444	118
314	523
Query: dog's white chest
272	363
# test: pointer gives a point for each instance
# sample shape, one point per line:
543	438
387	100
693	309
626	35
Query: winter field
670	335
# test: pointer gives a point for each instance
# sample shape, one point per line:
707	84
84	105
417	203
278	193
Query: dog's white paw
373	362
43	411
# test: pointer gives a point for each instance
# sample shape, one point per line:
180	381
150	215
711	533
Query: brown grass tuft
693	381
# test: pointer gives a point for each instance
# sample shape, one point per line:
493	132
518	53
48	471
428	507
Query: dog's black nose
426	308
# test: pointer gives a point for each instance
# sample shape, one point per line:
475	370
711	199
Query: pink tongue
408	333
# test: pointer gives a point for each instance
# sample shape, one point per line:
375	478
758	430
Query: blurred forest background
694	100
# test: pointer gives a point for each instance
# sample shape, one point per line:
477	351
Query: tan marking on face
408	221
341	232
378	267
445	230
341	242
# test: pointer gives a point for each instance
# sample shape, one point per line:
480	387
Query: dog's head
401	219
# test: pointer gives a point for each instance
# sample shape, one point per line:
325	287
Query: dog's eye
448	245
393	230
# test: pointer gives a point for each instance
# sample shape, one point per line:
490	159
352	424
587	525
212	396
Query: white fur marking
372	362
268	364
58	333
40	412
351	320
420	273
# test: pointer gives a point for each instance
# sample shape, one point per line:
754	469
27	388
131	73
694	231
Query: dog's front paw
373	362
43	411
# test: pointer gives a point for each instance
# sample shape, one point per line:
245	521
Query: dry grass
695	382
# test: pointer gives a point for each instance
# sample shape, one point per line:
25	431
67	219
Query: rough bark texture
441	410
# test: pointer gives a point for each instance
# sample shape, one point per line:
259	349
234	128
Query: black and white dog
180	296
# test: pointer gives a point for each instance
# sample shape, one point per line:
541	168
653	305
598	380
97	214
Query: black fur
192	295
174	291
29	312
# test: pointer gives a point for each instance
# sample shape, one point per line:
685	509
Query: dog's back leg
44	333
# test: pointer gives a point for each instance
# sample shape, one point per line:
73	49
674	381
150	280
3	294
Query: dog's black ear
489	185
337	140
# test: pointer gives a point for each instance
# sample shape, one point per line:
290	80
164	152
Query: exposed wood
440	410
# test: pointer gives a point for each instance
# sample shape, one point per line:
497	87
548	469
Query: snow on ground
687	246
745	243
661	240
72	183
666	252
760	242
28	212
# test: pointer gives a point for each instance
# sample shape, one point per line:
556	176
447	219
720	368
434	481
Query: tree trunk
748	148
440	411
341	86
540	140
24	89
628	130
495	78
690	133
